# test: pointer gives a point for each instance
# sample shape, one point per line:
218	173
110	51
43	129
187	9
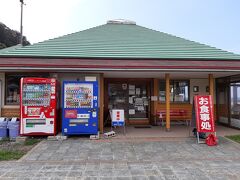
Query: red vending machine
38	103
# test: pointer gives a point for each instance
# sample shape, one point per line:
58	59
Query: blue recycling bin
3	128
13	127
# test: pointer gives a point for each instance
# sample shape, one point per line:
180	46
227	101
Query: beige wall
202	84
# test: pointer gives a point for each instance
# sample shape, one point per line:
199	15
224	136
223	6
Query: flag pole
21	26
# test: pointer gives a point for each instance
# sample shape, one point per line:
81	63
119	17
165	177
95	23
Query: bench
175	115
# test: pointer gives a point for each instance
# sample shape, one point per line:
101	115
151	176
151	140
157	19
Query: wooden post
155	93
211	85
167	78
211	88
101	108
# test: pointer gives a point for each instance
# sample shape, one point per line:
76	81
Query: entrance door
118	97
130	95
138	102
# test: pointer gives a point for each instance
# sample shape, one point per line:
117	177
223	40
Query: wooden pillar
155	103
211	85
211	89
101	108
155	93
167	78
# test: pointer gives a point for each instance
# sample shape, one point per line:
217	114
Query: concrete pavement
149	158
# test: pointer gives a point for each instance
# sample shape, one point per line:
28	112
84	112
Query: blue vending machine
80	108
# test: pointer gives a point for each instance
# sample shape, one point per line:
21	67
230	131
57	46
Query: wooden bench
175	115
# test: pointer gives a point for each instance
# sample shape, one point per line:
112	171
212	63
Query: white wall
202	84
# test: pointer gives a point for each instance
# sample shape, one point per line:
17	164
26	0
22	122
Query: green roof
124	41
9	48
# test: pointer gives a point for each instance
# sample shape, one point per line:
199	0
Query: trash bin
13	127
3	127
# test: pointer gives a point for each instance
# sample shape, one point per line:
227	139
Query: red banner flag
204	113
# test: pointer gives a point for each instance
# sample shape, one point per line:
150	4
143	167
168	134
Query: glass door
235	104
138	101
118	97
223	101
131	97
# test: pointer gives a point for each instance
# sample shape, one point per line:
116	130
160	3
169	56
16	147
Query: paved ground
123	159
176	131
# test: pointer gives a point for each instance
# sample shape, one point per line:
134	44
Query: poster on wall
138	91
130	100
154	98
131	91
131	111
204	113
131	86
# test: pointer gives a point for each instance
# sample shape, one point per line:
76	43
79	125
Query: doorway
132	95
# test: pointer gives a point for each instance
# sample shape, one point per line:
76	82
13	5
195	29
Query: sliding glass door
235	104
228	101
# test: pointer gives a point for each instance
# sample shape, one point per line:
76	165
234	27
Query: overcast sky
212	22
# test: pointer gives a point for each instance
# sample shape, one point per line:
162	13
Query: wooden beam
167	78
101	108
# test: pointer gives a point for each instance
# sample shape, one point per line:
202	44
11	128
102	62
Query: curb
24	156
235	143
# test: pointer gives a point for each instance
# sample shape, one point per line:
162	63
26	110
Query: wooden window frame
172	83
26	74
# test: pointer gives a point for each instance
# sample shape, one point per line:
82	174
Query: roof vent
121	21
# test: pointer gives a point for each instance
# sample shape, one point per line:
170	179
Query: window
179	91
12	95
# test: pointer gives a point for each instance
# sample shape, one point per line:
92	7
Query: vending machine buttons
94	114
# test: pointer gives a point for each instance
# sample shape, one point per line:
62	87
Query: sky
212	22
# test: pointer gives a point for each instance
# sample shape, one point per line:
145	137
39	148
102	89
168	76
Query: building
138	69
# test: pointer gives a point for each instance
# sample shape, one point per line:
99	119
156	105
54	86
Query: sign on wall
204	113
117	117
